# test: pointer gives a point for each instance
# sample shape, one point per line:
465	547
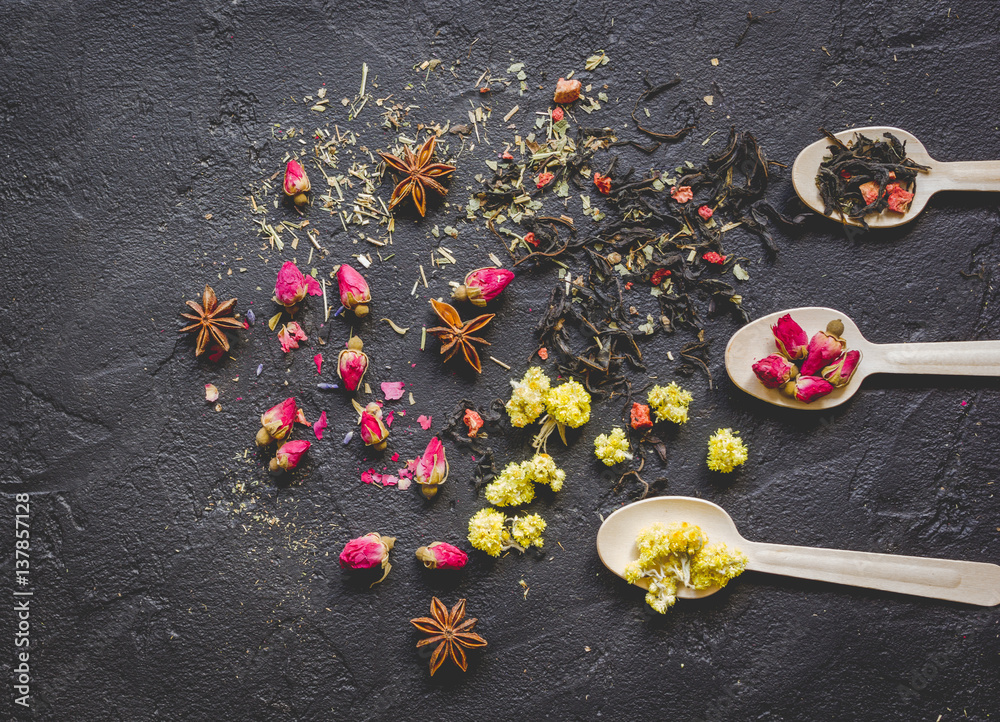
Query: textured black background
122	127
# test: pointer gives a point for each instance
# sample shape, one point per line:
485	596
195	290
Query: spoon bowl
974	175
959	581
952	358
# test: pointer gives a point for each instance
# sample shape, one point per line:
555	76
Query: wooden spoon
755	341
956	581
964	176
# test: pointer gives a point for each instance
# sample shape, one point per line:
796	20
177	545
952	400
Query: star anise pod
455	335
449	632
210	319
419	175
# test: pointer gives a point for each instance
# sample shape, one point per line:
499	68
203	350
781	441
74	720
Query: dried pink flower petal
320	424
392	390
318	360
424	421
211	393
290	335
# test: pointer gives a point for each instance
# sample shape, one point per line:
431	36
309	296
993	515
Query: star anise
419	174
449	632
210	318
455	335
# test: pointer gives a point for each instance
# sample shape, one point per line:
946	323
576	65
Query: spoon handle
951	358
957	581
978	175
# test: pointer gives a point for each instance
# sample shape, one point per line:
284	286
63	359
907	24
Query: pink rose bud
839	373
368	551
483	285
296	183
289	455
790	339
352	364
441	555
354	292
432	468
373	431
823	348
810	388
291	286
775	370
277	422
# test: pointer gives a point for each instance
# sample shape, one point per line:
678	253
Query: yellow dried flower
542	469
511	488
726	451
670	402
488	533
612	448
527	400
674	554
569	404
527	530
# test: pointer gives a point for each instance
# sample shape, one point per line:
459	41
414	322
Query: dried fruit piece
567	91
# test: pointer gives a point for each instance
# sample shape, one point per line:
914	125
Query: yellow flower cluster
527	400
670	402
527	530
515	486
489	531
569	404
674	554
726	451
612	448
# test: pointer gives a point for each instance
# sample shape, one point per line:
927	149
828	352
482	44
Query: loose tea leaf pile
861	178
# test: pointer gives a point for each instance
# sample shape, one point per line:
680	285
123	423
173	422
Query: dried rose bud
296	183
352	364
839	373
441	555
289	455
775	370
291	286
474	421
823	348
603	183
640	416
368	551
790	339
373	431
482	285
810	388
557	115
706	213
277	422
567	91
432	468
681	194
354	292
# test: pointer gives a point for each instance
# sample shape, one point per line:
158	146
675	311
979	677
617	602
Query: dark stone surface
123	126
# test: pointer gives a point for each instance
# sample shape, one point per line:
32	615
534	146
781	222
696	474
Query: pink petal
313	285
424	421
395	457
368	476
320	425
405	473
392	389
404	483
389	480
300	417
318	358
388	420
